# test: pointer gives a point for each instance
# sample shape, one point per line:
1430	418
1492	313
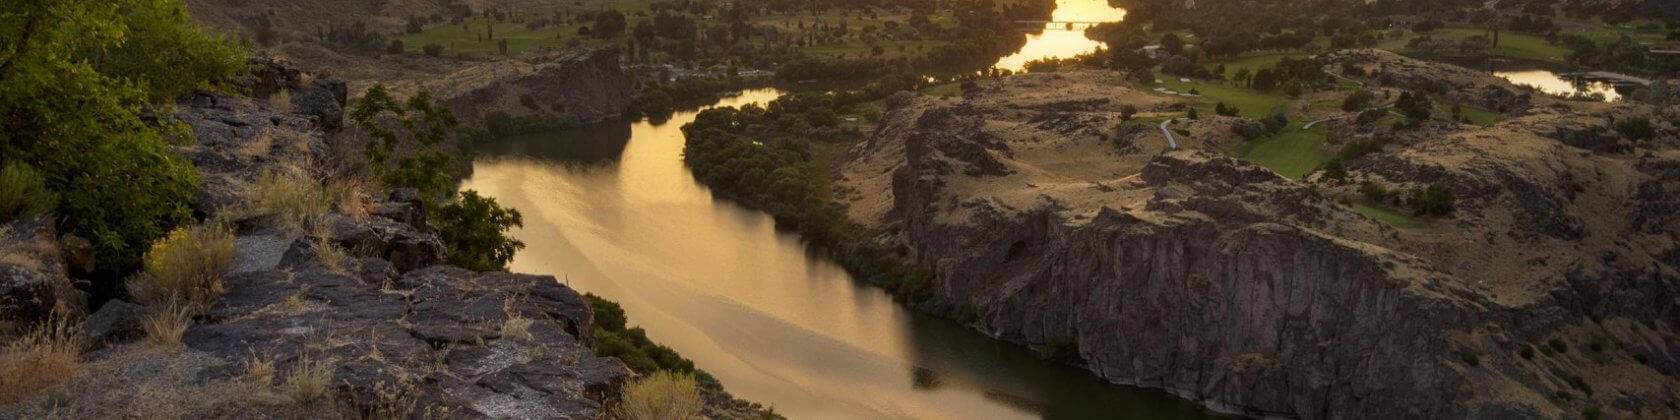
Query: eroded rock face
583	86
1227	284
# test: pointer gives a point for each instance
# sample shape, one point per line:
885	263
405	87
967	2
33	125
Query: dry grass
308	382
281	101
166	325
261	145
661	396
300	203
40	359
185	268
351	197
517	328
333	258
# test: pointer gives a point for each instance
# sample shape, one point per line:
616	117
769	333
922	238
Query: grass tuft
299	202
308	382
165	327
41	359
661	396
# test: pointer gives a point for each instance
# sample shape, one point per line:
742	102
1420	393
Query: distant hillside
294	18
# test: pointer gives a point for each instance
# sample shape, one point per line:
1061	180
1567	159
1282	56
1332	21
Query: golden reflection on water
710	279
1549	82
1059	41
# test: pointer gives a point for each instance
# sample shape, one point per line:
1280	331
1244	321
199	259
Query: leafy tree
80	85
1225	110
416	124
23	193
1436	200
1334	171
475	228
608	24
1127	112
1416	106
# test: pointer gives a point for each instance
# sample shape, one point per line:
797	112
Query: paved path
1171	142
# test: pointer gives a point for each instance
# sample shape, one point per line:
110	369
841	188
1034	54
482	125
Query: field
1477	116
1256	61
1512	44
1251	103
1386	215
1293	153
468	37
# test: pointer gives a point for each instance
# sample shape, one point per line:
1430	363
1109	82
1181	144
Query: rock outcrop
1222	282
33	277
581	86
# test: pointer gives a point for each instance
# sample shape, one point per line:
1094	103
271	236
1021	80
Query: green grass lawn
1512	44
1477	116
1252	103
1256	61
1293	153
468	39
1386	215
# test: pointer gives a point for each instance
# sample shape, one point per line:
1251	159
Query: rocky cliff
582	86
361	309
1227	284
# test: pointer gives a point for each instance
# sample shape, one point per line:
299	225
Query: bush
1558	345
1358	100
23	193
475	229
1527	352
1248	129
1127	112
1374	192
662	396
432	50
1276	123
185	268
78	107
1436	200
1636	128
1225	110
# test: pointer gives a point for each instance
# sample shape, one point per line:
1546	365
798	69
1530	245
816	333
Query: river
612	210
1550	82
1060	40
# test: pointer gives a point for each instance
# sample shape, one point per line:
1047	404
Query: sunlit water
612	210
1549	82
1061	41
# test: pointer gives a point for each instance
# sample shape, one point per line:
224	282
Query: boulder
116	322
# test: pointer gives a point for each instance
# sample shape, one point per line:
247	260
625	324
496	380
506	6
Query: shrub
185	268
1471	358
1527	352
23	193
1374	192
1335	171
1358	100
432	50
1248	129
661	396
1225	110
76	107
1558	345
1436	200
44	357
475	229
1127	112
1276	123
1636	128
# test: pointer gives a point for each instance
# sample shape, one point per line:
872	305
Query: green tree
417	125
76	79
1436	200
475	228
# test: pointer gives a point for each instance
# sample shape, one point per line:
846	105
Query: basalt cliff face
1054	225
582	86
364	306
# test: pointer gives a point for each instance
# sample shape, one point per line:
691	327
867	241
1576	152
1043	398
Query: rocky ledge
1227	284
582	86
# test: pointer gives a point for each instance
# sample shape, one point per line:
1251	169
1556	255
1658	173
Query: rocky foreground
383	326
1551	293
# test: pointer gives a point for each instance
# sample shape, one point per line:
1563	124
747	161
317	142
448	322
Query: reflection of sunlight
1550	82
1057	41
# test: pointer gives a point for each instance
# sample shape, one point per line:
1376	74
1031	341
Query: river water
612	210
1060	40
1550	82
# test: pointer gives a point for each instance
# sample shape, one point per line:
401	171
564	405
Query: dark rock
583	86
116	322
409	252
